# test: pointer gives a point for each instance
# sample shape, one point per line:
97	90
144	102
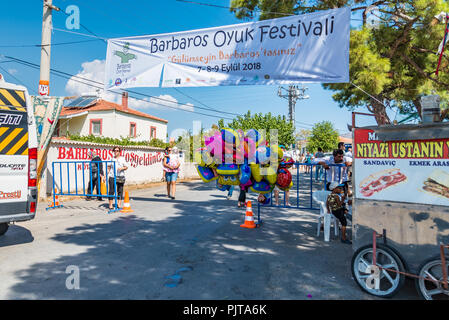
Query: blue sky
21	22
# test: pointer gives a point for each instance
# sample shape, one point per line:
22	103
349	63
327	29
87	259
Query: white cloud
163	103
94	70
167	102
91	70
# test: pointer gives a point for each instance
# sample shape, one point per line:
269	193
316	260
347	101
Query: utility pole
293	94
44	79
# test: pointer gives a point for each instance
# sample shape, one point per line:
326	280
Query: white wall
114	125
142	124
145	165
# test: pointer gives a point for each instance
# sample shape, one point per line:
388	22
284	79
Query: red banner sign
135	159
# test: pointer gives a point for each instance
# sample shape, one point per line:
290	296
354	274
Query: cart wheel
390	281
428	289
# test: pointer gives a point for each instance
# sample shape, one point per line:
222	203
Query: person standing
308	161
302	159
242	196
319	169
96	175
171	169
120	167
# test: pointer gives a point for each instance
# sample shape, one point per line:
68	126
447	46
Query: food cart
401	208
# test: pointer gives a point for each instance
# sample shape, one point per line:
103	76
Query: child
336	204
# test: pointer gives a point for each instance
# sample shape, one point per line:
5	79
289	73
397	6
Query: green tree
393	59
260	121
303	134
323	135
187	142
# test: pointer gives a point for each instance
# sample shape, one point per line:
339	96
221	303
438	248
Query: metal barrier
65	167
318	177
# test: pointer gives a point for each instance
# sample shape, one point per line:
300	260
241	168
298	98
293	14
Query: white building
107	119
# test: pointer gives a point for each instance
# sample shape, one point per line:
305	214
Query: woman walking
120	166
171	169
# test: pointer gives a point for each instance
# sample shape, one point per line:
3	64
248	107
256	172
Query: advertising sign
312	47
405	171
133	158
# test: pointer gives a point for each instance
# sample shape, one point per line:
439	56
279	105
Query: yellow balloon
271	175
255	172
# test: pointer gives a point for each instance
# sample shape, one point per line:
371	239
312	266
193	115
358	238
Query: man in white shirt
337	173
349	153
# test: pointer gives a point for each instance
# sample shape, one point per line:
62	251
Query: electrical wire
83	80
190	97
70	76
80	34
237	8
368	94
85	28
90	83
17	79
44	45
255	9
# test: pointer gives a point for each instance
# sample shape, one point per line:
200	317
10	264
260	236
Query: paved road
188	248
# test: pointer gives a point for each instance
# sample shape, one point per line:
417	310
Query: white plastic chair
327	217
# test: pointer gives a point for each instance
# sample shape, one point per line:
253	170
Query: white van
18	155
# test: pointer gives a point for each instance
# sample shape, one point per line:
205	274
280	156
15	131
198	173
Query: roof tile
103	105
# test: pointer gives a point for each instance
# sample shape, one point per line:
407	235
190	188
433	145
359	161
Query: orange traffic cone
126	204
56	203
249	219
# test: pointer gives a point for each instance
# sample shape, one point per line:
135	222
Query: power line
70	77
190	97
255	8
80	34
89	82
85	28
225	7
44	45
18	80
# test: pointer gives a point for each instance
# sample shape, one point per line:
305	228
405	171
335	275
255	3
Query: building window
132	129
96	127
152	133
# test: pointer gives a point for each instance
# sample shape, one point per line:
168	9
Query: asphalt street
189	248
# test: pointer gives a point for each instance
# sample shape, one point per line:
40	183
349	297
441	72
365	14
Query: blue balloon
245	173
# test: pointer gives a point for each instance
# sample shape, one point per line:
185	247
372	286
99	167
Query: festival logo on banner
405	171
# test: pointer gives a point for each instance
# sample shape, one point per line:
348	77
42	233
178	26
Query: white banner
307	48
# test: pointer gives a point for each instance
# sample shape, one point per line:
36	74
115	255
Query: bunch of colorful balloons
234	157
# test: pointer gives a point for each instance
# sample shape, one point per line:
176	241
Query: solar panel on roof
82	102
74	102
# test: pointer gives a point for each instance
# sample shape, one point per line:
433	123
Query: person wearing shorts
171	172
